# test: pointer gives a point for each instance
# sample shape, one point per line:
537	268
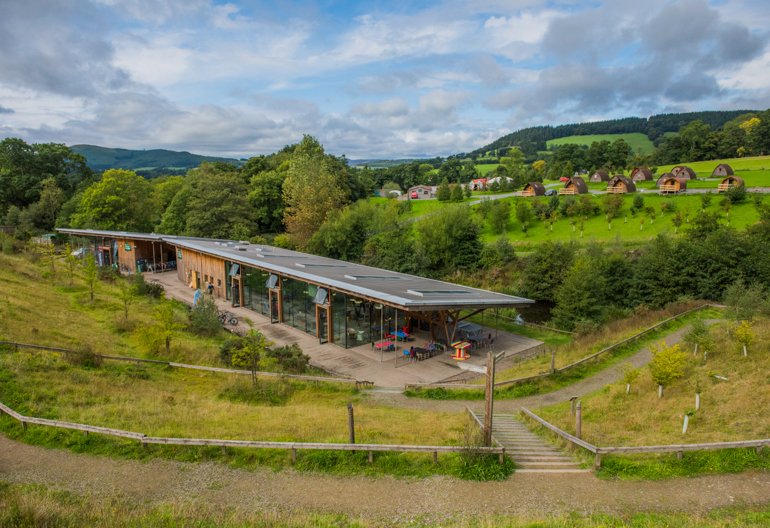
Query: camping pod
599	176
532	189
673	185
730	181
723	169
619	184
641	174
682	171
575	185
662	179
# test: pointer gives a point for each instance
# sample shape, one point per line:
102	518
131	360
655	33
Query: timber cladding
131	250
194	265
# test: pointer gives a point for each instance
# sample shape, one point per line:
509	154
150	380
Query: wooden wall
205	266
139	249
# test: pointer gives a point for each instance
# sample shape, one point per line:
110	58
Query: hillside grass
626	227
485	169
730	410
636	141
35	505
705	168
164	401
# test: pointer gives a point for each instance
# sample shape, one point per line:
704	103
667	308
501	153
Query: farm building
641	174
673	185
730	181
479	184
599	176
723	169
662	178
682	171
498	180
532	189
619	184
335	301
421	192
575	185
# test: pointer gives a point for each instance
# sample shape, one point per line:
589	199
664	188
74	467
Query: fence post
553	361
679	455
598	460
435	457
371	456
578	421
293	455
85	434
24	426
351	425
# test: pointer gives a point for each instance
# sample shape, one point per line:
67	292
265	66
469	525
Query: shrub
203	319
290	358
667	363
84	356
736	194
107	274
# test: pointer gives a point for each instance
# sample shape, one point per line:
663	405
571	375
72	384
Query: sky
368	79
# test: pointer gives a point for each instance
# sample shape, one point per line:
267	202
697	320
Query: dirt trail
579	389
164	481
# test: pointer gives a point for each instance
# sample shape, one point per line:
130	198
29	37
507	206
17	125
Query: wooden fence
224	444
566	367
358	383
678	448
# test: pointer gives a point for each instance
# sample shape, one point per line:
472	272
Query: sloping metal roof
407	291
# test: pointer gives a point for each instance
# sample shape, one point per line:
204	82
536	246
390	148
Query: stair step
563	470
541	464
554	459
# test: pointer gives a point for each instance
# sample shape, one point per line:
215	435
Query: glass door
322	316
228	282
275	316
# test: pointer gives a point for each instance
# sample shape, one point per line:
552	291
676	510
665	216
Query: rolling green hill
103	158
637	141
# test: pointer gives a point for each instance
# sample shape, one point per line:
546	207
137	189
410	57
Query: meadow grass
635	140
486	169
626	227
163	401
35	505
730	410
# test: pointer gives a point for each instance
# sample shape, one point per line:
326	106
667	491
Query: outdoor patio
386	369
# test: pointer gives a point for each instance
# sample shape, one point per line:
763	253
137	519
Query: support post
579	421
371	456
24	426
154	265
435	457
351	426
224	450
293	455
572	401
489	399
759	450
679	455
598	460
85	434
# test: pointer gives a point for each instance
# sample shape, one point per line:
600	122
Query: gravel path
579	389
170	482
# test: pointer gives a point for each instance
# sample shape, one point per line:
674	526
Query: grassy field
626	227
704	168
484	169
162	401
636	141
730	410
29	505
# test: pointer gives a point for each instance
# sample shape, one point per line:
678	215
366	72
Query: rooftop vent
306	265
279	256
374	277
436	293
240	248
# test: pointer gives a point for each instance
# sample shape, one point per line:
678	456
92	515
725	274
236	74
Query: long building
338	302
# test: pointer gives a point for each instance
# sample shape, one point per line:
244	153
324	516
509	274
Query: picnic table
460	347
386	345
400	334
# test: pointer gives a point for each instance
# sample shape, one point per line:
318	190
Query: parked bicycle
225	317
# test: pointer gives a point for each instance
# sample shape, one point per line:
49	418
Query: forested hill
654	127
102	158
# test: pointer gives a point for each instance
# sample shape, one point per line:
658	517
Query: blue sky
369	80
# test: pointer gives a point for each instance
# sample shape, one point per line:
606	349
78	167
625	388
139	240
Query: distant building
421	192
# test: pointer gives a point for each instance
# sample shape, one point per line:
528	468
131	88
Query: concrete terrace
360	362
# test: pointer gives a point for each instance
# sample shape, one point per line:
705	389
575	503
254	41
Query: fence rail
294	446
673	448
197	367
571	365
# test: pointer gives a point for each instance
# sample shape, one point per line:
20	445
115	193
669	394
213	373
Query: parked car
563	179
551	192
414	195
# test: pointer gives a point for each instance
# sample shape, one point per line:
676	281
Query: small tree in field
650	211
698	335
70	262
252	356
630	374
127	295
167	327
89	272
667	364
468	190
457	193
744	335
677	221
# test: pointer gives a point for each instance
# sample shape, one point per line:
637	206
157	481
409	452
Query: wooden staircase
531	453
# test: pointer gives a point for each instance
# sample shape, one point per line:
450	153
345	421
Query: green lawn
636	141
484	169
738	164
596	227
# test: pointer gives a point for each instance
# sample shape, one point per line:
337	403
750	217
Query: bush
138	283
84	356
203	319
7	244
227	348
290	358
107	274
736	194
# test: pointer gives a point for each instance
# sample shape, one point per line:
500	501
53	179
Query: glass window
255	290
338	318
358	317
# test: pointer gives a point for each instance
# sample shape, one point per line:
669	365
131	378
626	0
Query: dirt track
164	481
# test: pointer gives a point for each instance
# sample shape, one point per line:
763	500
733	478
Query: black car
551	192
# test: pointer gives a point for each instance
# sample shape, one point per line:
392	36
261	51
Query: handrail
574	439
